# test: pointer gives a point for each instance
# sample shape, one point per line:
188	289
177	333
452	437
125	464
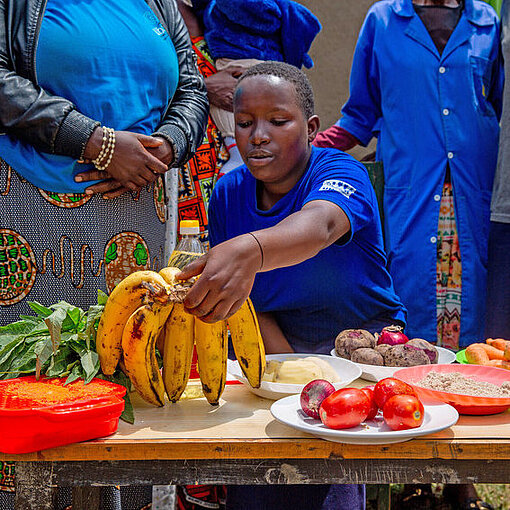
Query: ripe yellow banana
179	336
248	344
135	290
139	354
168	274
212	349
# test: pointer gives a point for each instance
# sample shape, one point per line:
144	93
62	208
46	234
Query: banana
139	354
168	273
212	349
179	337
135	290
247	342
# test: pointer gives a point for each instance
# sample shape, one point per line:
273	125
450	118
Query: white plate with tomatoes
437	417
376	372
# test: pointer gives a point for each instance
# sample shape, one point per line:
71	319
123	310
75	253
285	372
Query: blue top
345	285
114	61
281	30
428	110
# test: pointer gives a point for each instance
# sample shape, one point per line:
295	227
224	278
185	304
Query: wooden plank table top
242	427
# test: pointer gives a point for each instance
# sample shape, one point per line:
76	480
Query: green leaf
102	298
111	253
54	323
43	349
72	319
74	375
128	415
93	315
16	328
39	309
90	364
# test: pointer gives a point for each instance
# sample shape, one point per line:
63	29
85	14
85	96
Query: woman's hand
227	274
132	166
220	87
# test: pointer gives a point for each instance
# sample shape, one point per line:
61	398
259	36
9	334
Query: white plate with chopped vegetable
437	417
377	372
346	372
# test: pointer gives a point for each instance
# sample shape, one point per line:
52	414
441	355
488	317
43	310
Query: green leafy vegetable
59	341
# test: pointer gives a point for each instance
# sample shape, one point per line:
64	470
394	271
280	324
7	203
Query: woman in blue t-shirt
297	229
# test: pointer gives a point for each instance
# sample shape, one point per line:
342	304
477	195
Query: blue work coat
429	110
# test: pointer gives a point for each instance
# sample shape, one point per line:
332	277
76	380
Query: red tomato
369	392
388	387
344	409
403	412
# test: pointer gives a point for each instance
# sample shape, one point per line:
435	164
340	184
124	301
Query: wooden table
239	442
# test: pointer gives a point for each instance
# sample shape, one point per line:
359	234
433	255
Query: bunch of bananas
145	311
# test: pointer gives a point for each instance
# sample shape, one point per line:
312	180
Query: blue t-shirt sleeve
340	179
216	218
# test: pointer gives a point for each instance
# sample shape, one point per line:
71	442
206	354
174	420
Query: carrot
476	355
499	343
493	352
499	364
507	353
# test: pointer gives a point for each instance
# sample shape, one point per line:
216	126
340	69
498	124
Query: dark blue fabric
346	284
114	61
429	111
280	30
295	497
498	282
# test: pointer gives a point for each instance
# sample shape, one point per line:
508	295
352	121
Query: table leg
86	498
34	486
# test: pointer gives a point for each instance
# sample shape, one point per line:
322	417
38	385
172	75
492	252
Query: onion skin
312	396
392	335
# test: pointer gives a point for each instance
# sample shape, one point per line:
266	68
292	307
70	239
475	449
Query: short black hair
288	73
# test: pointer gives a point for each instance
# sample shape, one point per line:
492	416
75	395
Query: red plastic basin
55	415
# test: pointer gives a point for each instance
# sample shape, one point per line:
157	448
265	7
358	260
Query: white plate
346	370
376	372
437	417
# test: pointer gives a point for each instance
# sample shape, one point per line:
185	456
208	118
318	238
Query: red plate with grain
36	415
465	404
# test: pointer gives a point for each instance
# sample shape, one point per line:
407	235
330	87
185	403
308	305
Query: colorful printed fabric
56	246
449	273
7	476
195	497
198	177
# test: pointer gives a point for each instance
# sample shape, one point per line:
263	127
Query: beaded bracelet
107	149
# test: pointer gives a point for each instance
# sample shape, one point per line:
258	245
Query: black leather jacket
53	124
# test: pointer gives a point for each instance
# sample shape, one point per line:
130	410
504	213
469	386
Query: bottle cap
189	227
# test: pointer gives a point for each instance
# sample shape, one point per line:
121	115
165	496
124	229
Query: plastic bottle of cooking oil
188	249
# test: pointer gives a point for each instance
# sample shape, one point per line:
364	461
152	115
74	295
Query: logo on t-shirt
339	186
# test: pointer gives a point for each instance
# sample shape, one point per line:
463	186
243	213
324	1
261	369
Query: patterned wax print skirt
56	246
449	273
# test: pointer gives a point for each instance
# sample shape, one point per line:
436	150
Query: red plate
465	404
36	415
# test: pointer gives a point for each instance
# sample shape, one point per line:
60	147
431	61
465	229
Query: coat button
437	198
433	239
450	155
446	111
442	70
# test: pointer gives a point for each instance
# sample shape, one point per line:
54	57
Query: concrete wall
332	53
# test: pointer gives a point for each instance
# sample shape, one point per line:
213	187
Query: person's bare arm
229	269
274	339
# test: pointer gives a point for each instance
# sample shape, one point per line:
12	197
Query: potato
426	347
404	355
367	356
382	348
351	339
